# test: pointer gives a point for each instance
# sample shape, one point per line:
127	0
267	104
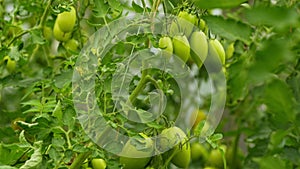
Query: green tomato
216	56
10	64
174	29
181	47
131	149
198	152
47	32
165	43
71	45
220	50
60	35
215	157
186	22
230	50
209	168
66	20
229	157
98	163
199	47
172	138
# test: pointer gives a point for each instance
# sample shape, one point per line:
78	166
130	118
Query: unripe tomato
214	60
66	20
131	149
215	157
60	35
172	137
209	168
181	47
229	157
199	47
165	43
202	25
174	28
98	163
10	64
200	116
230	50
220	50
198	151
47	32
186	22
71	45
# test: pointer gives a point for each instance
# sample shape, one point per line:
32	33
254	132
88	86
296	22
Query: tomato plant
85	84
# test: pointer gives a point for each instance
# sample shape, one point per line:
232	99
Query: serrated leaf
63	79
57	112
136	7
229	28
14	53
270	162
100	9
115	4
216	137
23	141
36	157
272	16
280	103
10	153
210	4
37	37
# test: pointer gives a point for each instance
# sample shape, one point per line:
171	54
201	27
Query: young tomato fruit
181	47
199	47
230	50
172	138
71	45
98	163
66	20
130	149
216	56
220	50
215	157
60	35
10	64
165	43
186	22
198	152
47	32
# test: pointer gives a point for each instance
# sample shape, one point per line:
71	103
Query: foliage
39	127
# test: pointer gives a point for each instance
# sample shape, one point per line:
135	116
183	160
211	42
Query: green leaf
272	16
7	167
14	53
270	162
271	54
100	8
23	141
229	29
63	79
37	37
115	4
10	153
210	4
280	103
137	8
36	157
57	112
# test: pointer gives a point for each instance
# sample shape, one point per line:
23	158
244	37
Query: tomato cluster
212	158
188	40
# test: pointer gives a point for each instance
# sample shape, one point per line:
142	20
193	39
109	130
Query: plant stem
79	160
139	87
